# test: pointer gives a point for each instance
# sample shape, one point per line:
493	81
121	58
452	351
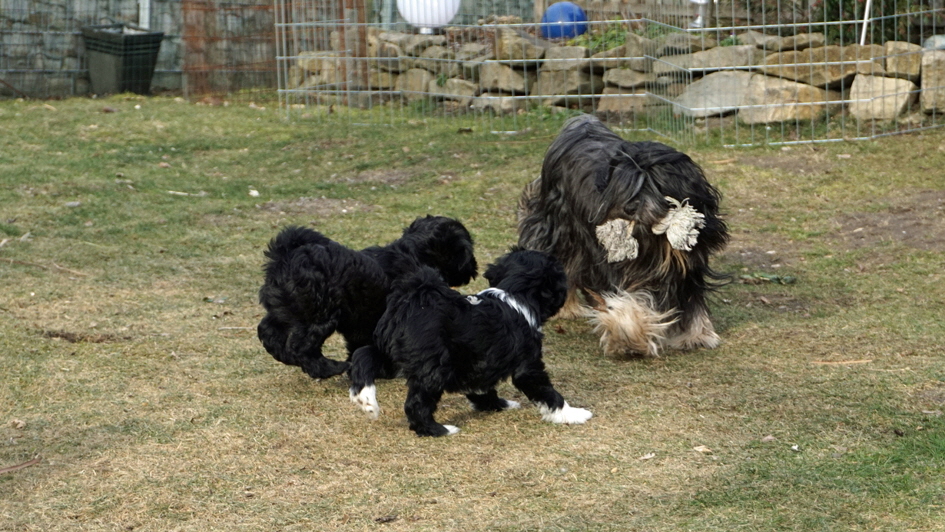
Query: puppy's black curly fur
314	286
442	341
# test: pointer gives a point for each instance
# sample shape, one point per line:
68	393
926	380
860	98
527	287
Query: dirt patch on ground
797	161
778	302
915	221
756	258
383	177
322	207
80	337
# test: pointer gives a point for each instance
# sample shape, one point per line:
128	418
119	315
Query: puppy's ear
454	250
496	272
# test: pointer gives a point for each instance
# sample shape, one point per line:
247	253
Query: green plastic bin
121	57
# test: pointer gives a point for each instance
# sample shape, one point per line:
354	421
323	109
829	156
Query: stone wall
42	52
760	78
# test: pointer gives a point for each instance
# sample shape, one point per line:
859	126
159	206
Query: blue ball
563	20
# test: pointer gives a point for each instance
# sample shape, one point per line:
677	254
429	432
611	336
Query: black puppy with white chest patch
443	341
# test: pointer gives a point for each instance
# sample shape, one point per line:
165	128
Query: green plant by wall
843	19
600	40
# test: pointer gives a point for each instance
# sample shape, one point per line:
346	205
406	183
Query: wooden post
353	37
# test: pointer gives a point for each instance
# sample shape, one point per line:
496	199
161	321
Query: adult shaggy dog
314	286
442	341
634	224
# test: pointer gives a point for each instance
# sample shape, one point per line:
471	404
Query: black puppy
442	341
315	286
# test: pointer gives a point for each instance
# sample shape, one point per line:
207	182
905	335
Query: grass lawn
131	240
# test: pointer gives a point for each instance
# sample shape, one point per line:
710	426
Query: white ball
428	13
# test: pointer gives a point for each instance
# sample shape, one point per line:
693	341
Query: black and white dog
314	286
442	341
634	224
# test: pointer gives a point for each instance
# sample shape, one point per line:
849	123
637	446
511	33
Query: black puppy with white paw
443	341
315	286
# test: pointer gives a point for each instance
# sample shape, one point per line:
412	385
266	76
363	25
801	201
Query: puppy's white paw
452	429
367	400
566	415
512	405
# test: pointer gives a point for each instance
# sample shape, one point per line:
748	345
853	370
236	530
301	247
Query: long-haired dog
634	224
314	286
443	341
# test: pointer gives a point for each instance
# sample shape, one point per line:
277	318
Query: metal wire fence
204	49
727	71
772	72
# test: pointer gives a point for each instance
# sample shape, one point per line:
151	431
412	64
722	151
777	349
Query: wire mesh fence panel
59	48
775	71
39	48
727	71
228	49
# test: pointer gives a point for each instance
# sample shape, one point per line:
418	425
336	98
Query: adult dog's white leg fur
701	333
627	324
566	415
367	400
453	429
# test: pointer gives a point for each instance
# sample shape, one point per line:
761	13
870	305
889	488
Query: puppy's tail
292	238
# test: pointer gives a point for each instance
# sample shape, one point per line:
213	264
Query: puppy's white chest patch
509	300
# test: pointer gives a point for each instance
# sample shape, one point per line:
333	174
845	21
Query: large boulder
628	79
758	39
559	58
437	59
519	48
382	79
454	89
685	43
716	94
416	44
616	100
776	43
828	66
559	83
636	54
320	69
903	60
639	46
880	98
408	44
801	41
933	81
719	58
414	84
770	100
471	57
474	50
503	78
499	103
388	56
